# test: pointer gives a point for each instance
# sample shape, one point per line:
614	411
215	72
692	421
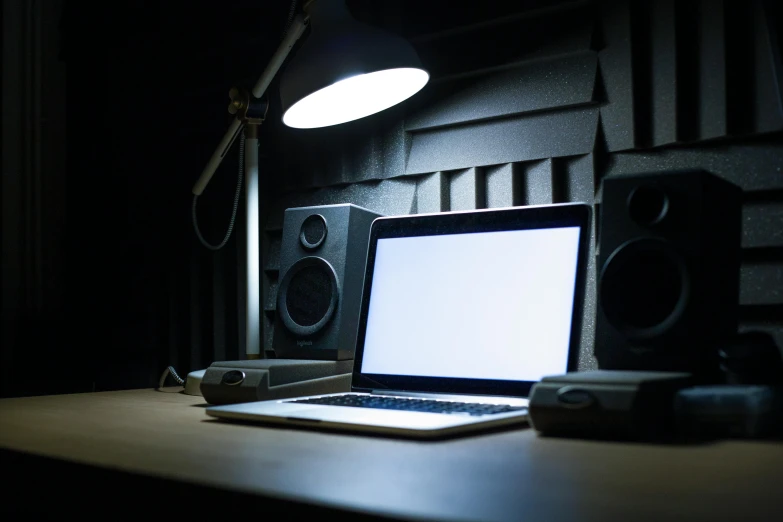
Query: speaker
322	262
668	272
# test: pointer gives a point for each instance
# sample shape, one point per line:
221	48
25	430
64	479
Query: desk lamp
344	71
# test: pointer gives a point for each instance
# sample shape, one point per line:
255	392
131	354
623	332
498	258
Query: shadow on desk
38	485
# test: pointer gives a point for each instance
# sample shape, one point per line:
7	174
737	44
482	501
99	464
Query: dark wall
530	102
104	282
149	83
539	105
33	151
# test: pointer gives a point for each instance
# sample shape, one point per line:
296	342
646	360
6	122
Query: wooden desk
512	475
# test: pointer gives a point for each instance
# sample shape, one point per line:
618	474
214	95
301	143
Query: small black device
668	272
752	358
229	382
735	411
607	404
322	259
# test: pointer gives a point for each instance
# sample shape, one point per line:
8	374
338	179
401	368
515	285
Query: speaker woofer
313	231
644	288
308	296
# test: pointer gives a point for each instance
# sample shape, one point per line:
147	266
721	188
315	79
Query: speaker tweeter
648	205
313	232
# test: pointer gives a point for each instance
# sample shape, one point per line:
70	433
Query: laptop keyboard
411	404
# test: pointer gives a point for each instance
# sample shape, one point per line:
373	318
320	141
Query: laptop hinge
389	392
454	397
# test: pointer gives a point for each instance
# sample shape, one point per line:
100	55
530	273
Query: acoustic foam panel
548	84
538	136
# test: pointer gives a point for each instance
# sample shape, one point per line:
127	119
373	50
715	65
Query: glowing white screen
490	305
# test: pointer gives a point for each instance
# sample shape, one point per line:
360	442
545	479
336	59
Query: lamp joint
247	108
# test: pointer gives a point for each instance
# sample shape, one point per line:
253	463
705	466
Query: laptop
461	313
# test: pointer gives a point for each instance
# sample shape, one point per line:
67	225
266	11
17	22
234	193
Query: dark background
111	110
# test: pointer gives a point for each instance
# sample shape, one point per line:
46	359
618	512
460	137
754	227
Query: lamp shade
346	70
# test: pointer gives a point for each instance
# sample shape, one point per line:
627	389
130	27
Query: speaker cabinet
322	262
668	272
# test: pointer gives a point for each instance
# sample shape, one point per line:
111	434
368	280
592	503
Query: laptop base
403	424
231	382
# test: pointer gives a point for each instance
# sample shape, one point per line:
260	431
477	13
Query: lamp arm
217	157
296	30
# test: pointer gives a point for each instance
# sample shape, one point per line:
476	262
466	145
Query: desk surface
512	475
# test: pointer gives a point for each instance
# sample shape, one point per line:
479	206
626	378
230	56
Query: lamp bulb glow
355	97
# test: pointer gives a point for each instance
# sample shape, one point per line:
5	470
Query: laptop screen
483	305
